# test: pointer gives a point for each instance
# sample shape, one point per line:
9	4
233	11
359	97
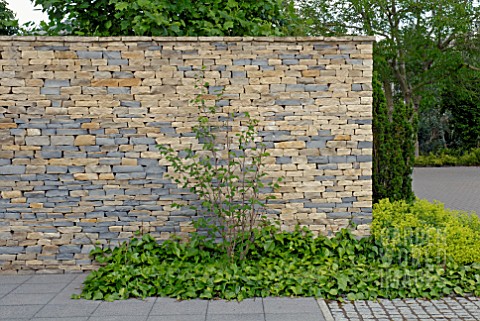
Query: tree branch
471	67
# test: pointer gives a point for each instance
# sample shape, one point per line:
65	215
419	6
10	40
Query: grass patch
297	264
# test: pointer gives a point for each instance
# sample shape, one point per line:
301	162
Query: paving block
189	317
288	305
78	309
168	306
53	278
236	317
246	306
120	318
18	311
7	288
39	288
125	308
60	319
294	317
26	298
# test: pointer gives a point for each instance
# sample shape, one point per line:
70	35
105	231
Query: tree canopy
417	39
170	18
8	23
421	45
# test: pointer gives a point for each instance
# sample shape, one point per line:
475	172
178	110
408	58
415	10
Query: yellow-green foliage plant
427	230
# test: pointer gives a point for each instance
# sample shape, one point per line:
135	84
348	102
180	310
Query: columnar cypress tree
403	134
393	148
380	141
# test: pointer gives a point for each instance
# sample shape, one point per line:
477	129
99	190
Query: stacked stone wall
80	119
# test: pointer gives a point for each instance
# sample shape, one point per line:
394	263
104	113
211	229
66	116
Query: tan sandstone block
290	145
84	140
34	236
106	176
85	176
342	138
105	83
129	161
7	125
34	132
129	82
115	228
11	194
36	205
90	126
310	73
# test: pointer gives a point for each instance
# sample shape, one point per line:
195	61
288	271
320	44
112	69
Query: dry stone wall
80	119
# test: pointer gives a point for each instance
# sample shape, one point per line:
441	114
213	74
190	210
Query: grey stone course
365	144
12	169
117	62
316	87
123	74
56	83
89	54
288	102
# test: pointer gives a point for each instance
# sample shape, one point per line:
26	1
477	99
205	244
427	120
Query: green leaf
333	292
97	295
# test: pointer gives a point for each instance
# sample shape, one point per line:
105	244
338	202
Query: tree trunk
387	88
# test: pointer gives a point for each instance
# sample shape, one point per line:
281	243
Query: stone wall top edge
185	39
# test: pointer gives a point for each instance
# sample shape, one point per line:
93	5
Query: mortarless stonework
80	119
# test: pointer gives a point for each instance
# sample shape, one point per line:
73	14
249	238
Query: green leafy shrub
279	264
449	158
226	173
8	23
428	230
170	18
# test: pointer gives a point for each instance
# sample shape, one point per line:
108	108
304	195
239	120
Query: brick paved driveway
447	309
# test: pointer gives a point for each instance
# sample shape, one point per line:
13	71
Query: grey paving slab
66	310
61	319
79	278
40	288
294	317
186	317
247	306
18	311
52	278
26	298
457	187
15	279
236	317
7	288
119	318
125	308
168	306
65	297
287	305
